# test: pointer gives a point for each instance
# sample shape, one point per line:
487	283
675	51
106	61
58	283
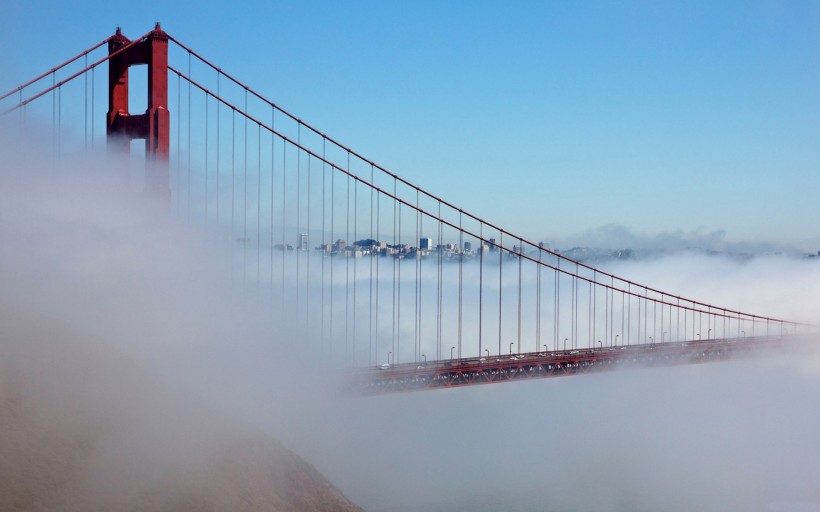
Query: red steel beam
473	371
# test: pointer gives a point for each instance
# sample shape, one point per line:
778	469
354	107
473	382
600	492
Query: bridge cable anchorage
188	177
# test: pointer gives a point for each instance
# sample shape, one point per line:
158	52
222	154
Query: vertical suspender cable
376	322
607	333
298	214
395	262
179	142
347	263
324	241
629	314
557	303
284	221
460	277
258	205
206	157
677	322
417	262
591	337
500	286
396	356
594	285
520	263
480	286
612	318
576	312
331	334
233	172
623	297
307	255
440	251
59	121
272	190
93	101
188	183
655	320
355	259
420	281
370	303
538	301
218	130
53	114
85	101
245	194
646	314
662	307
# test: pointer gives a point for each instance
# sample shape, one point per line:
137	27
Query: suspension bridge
377	274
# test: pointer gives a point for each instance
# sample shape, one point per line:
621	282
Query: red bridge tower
154	125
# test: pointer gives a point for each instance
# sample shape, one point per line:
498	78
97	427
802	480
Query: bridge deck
472	371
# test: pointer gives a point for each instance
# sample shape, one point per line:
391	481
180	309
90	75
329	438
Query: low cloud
617	236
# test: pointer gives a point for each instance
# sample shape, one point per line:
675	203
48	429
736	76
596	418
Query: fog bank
125	333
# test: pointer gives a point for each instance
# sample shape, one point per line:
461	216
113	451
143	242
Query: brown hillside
82	430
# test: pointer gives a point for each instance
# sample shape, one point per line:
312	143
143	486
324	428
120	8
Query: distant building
340	245
468	247
425	244
302	242
493	247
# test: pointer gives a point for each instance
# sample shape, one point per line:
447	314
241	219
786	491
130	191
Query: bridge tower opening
154	126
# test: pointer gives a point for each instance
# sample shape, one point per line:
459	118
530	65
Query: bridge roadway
560	363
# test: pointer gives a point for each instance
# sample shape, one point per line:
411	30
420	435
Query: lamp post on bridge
616	339
545	348
651	340
511	346
663	337
425	359
600	345
451	352
488	353
388	357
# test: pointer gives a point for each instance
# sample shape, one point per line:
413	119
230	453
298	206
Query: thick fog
126	326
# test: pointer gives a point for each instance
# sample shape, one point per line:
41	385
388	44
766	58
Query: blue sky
550	118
